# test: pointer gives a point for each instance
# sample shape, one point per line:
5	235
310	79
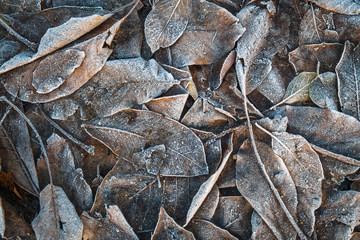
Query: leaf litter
181	119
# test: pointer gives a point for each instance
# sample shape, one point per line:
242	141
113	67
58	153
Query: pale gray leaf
349	7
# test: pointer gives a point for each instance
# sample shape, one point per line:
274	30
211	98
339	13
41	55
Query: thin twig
89	149
263	170
31	45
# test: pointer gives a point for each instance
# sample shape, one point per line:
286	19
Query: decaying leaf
170	106
233	213
57	218
323	91
204	230
166	22
339	215
114	226
207	186
167	228
298	89
139	128
332	130
64	174
257	22
52	34
19	82
349	80
210	34
306	57
350	7
126	82
305	168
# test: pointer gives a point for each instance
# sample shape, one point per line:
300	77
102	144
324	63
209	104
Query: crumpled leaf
166	227
52	34
233	213
120	79
323	91
257	23
306	57
252	184
57	218
19	82
298	88
204	230
306	171
166	22
331	130
349	79
317	27
170	106
207	186
339	215
64	174
210	34
137	195
124	131
114	226
349	7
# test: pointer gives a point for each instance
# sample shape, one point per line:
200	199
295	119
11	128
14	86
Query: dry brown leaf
259	228
114	226
204	230
219	70
349	80
208	207
166	22
57	218
323	91
349	7
305	58
19	82
166	227
14	6
127	132
64	174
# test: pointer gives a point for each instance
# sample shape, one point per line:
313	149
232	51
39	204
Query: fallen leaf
135	126
257	23
208	207
349	7
57	218
331	130
207	186
323	91
166	22
347	26
298	88
348	80
259	228
205	40
233	214
170	106
14	6
95	58
338	216
167	227
219	70
203	230
114	226
64	173
2	219
305	58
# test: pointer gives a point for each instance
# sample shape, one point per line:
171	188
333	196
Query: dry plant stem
4	99
347	160
31	45
263	170
88	149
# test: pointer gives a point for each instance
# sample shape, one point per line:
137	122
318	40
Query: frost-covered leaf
123	132
298	89
323	91
114	226
57	218
166	22
64	174
349	7
204	230
166	227
306	57
348	75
